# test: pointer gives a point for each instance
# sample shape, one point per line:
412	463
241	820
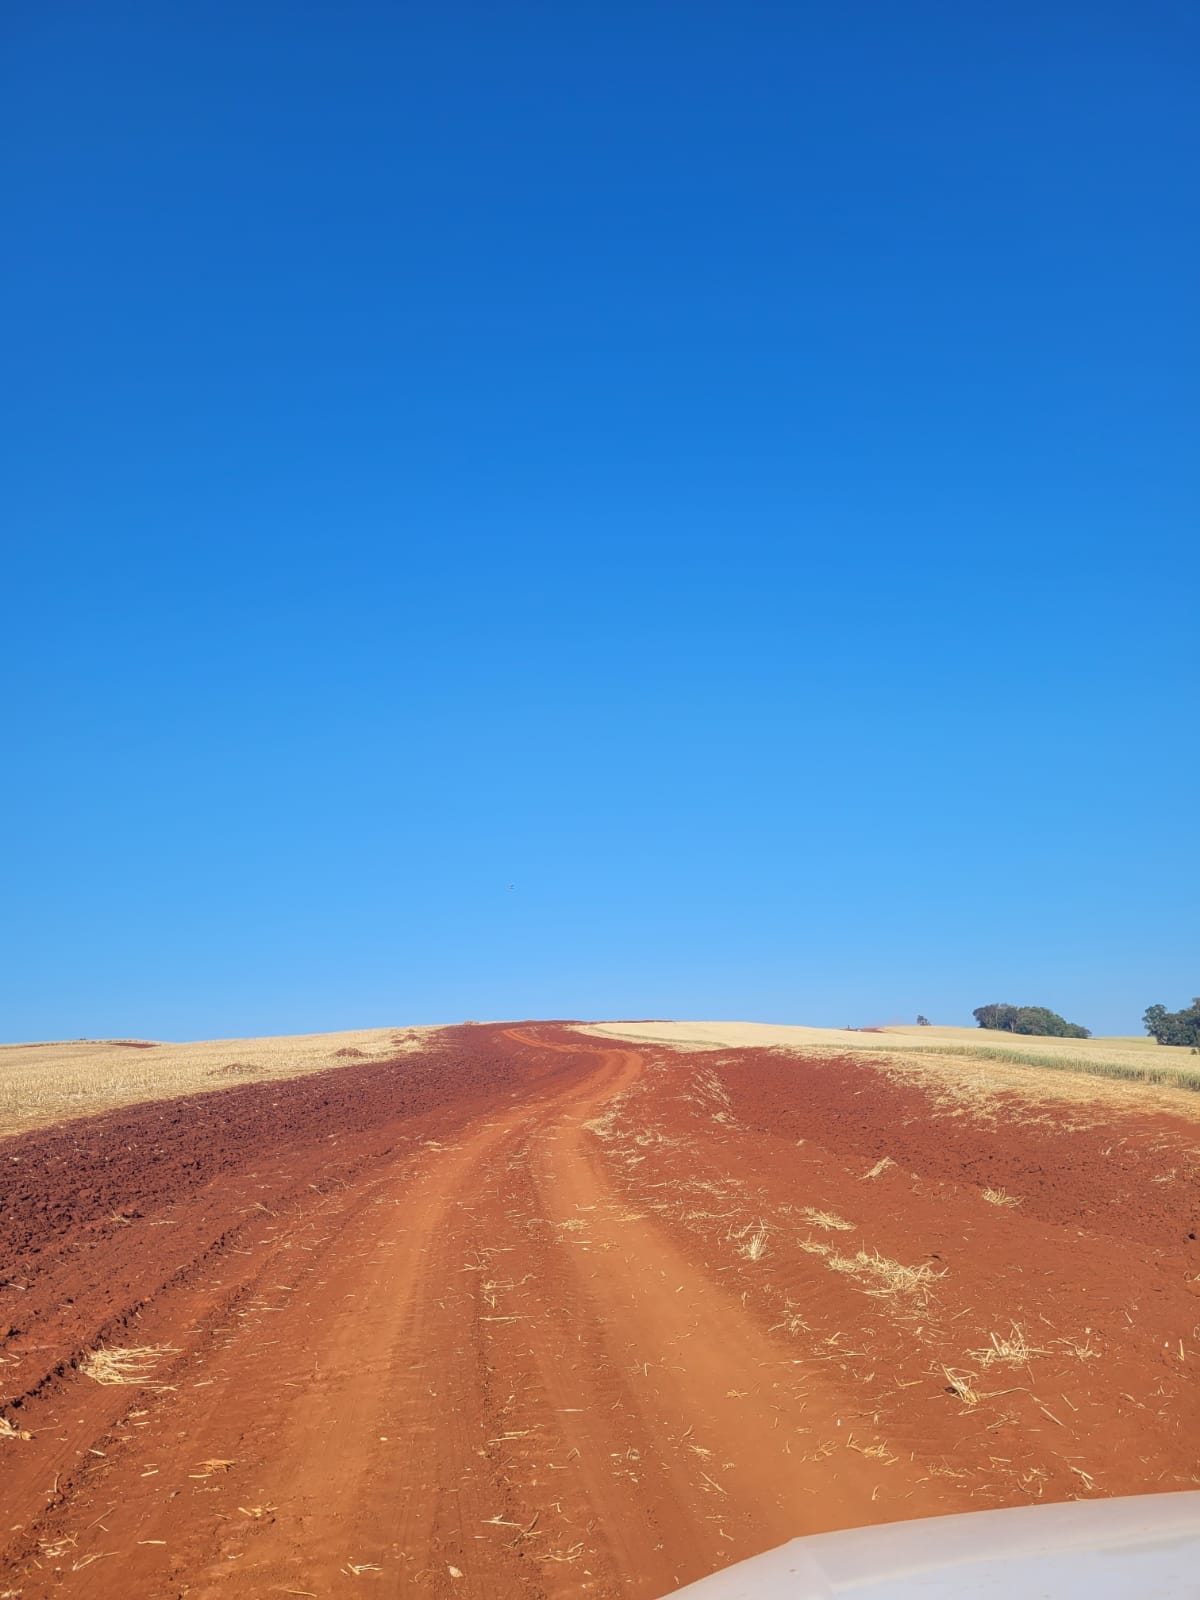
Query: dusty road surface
533	1313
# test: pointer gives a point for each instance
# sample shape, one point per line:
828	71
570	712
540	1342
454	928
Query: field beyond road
978	1060
529	1311
41	1084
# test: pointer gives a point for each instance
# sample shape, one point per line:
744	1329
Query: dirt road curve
532	1315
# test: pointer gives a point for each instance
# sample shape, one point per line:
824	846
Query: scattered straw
1080	1349
999	1197
1012	1351
56	1549
877	1452
959	1383
792	1321
888	1277
828	1220
753	1242
132	1364
880	1166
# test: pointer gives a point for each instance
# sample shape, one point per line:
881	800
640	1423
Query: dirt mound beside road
528	1313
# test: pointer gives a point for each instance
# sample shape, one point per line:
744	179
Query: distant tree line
1174	1027
1029	1019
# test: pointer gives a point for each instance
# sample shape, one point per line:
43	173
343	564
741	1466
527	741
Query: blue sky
728	472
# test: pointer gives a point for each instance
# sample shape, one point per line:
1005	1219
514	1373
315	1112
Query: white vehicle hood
1144	1547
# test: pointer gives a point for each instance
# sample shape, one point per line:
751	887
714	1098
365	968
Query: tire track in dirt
202	1292
704	1428
439	1380
480	1351
1038	1343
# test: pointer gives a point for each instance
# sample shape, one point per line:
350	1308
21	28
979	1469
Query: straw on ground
130	1364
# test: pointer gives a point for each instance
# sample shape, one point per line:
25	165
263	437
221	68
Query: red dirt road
532	1315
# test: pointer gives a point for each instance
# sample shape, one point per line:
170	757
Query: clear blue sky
728	471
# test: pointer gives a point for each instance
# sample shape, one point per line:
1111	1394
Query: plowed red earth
532	1314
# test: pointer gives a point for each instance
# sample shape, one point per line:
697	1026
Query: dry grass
55	1549
605	1126
1011	1350
1081	1349
792	1321
48	1083
829	1220
875	1452
814	1247
1000	1197
887	1277
967	1062
751	1241
882	1277
134	1364
959	1384
880	1167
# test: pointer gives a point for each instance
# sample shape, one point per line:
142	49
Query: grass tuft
752	1241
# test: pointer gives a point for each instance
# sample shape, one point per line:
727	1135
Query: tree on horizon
1174	1027
1030	1020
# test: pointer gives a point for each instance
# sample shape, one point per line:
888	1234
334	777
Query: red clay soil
532	1314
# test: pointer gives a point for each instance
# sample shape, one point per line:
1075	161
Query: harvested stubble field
41	1084
526	1311
955	1060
